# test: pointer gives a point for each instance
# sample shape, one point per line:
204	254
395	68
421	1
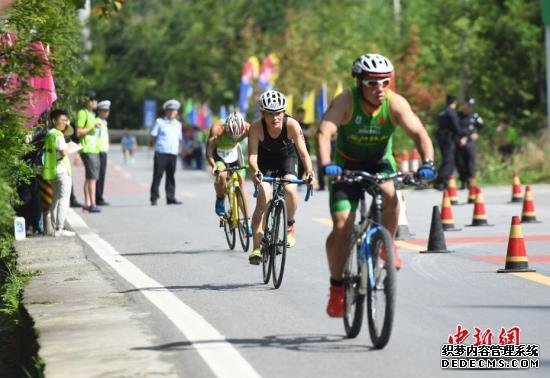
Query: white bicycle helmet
371	65
234	125
272	101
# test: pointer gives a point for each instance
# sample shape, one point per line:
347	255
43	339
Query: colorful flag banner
250	72
339	89
269	72
322	102
289	104
309	107
43	93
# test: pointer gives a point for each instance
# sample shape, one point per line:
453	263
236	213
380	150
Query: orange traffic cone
415	161
528	212
516	256
472	193
436	241
516	189
451	190
402	222
447	218
404	164
480	217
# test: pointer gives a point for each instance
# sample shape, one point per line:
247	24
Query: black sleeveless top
276	147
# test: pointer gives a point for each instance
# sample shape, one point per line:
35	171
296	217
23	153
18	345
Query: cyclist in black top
273	141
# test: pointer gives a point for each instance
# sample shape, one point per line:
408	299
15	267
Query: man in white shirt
166	136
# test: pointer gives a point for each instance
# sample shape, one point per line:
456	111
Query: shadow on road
222	287
300	343
504	306
191	252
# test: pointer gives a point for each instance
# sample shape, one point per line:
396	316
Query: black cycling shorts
285	165
344	196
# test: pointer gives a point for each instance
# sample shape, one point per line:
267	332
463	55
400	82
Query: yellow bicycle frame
233	182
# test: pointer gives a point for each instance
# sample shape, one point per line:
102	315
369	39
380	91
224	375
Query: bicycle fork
365	256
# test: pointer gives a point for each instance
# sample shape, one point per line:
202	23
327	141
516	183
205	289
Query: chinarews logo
485	349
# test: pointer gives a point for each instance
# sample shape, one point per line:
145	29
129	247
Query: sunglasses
373	83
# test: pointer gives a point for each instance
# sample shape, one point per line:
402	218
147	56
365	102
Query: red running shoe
335	306
396	257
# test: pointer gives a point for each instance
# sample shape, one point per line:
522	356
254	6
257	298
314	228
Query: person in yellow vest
57	170
86	130
103	108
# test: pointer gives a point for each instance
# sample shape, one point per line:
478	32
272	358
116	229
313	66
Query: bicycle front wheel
381	296
355	276
228	228
278	243
243	220
266	247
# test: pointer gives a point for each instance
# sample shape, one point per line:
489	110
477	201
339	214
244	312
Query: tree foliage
492	50
55	24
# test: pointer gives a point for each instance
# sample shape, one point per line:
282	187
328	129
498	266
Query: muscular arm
337	113
403	115
215	132
253	141
295	133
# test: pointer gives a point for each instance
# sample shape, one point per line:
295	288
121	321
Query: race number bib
228	156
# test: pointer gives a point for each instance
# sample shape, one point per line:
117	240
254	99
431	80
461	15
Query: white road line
219	355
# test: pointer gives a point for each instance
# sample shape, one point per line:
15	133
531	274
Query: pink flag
43	92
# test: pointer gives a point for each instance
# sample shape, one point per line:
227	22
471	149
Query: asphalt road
286	332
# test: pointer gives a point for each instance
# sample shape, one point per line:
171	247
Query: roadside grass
18	338
530	161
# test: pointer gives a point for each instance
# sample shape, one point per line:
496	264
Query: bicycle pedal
222	222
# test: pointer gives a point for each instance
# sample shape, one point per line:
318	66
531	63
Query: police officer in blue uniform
471	125
166	136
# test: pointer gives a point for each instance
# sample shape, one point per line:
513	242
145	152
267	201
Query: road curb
85	327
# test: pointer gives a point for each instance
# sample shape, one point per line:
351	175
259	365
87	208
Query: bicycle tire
230	234
355	275
266	254
243	220
381	297
278	243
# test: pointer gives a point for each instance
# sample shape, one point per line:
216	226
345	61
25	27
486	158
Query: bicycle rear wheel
278	243
243	220
230	235
381	297
355	276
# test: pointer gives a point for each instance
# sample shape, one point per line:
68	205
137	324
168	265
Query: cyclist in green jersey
223	150
364	119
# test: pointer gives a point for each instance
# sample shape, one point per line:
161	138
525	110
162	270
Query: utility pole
546	21
84	16
397	16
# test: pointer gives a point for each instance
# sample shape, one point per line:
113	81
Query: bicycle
235	216
274	242
368	273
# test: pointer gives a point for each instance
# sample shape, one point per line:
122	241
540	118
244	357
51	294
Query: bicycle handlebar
230	169
362	176
309	192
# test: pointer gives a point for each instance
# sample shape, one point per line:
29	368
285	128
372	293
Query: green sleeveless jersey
226	143
366	138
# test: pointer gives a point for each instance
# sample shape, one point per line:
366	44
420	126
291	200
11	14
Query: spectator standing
448	133
103	109
129	146
471	123
57	170
166	136
86	129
